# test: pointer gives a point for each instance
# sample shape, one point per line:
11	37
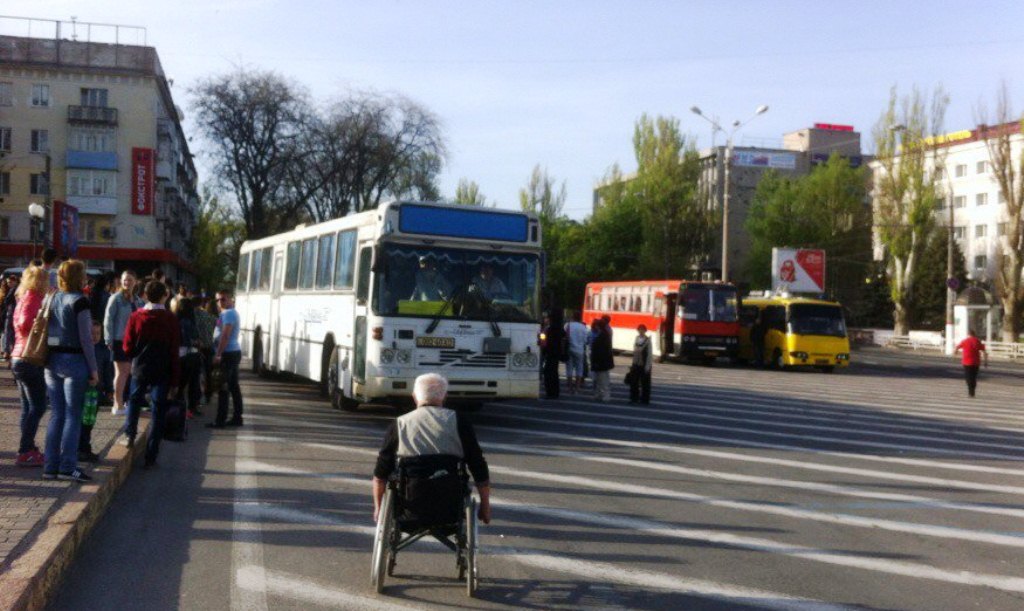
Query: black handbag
630	376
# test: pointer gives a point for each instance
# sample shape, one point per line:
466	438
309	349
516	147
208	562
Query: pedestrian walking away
188	352
973	349
227	356
31	379
152	339
576	337
120	307
601	360
206	322
70	367
640	370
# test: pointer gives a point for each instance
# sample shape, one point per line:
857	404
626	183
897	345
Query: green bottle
92	400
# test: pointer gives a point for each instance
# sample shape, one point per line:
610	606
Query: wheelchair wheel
472	574
382	541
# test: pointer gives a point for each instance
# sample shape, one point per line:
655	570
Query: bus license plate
435	342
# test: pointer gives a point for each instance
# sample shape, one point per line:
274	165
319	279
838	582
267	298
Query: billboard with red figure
143	167
65	229
798	270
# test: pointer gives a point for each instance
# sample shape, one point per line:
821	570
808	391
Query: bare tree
541	197
1009	176
468	193
905	189
252	121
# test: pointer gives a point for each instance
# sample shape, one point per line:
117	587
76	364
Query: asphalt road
879	487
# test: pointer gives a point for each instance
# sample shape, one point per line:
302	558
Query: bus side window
307	270
243	273
363	277
267	254
344	269
291	274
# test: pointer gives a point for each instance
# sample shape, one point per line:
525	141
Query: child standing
85	453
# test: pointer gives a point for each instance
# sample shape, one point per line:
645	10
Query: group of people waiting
128	343
573	342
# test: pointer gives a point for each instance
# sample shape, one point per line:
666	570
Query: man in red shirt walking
972	348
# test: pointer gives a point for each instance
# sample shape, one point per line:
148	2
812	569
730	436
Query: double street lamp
38	214
716	127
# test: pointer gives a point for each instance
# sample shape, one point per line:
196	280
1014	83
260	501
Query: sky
561	83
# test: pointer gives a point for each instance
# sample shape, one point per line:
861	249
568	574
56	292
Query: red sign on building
143	167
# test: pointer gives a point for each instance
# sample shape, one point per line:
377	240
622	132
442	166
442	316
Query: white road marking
757	458
246	536
310	592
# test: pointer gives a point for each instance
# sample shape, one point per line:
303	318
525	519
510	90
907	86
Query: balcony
92	114
91	160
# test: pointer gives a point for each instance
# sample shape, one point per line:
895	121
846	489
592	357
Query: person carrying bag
639	376
36	345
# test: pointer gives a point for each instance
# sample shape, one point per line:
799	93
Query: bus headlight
518	359
387	355
842	357
403	357
799	355
531	360
522	360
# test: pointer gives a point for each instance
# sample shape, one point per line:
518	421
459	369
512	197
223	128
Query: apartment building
90	131
969	186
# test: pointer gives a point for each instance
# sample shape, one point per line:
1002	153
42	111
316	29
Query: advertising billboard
798	270
760	159
65	229
143	166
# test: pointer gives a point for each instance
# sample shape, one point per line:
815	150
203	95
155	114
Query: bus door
275	313
668	324
363	271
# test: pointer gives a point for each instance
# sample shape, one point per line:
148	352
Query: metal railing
1004	350
92	114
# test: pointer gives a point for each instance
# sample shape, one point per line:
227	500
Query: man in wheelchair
422	471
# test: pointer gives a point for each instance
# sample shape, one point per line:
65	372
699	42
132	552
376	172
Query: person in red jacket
151	340
973	349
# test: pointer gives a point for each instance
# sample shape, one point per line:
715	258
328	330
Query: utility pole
950	291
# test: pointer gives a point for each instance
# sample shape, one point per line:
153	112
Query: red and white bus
687	319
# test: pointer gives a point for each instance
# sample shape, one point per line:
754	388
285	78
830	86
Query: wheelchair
427	495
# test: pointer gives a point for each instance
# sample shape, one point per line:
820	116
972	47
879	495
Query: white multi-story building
969	185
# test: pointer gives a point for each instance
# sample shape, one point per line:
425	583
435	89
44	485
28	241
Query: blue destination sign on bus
463	223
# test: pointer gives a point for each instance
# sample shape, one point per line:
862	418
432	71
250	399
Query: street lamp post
37	213
716	127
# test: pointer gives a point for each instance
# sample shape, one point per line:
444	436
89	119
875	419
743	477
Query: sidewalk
43	522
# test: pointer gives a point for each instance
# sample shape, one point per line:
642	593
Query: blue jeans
32	384
105	369
66	378
158	406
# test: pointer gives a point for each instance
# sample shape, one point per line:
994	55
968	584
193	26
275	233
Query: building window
5	228
1001	229
40	95
980	261
961	170
980	231
6	94
40	141
981	199
5	139
5	183
89	183
93	140
959	201
37	184
939	173
940	203
1000	197
959	232
94	97
982	167
86	230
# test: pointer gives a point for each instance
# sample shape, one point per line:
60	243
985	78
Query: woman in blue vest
70	366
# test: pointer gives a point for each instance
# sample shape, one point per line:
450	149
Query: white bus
365	303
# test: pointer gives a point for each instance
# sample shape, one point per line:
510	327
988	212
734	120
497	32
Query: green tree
906	190
929	307
215	240
824	209
468	193
677	222
542	197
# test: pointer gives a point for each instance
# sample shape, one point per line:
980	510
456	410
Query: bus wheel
338	399
258	366
777	360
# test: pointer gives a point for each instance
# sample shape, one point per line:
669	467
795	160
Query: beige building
91	127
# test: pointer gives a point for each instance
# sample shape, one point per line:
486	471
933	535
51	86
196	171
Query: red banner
143	167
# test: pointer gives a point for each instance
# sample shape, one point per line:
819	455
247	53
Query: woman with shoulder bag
119	307
29	376
70	366
640	371
188	353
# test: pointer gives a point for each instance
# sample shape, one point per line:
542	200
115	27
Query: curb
33	576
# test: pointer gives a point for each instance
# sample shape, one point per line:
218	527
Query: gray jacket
115	319
642	352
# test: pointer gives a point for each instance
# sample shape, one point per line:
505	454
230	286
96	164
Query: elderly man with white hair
430	430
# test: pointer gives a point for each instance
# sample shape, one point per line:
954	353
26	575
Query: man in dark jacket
152	339
602	361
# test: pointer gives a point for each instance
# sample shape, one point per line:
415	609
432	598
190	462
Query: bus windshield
709	303
454	283
816	319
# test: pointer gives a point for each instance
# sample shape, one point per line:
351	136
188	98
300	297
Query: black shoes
88	456
75	476
234	422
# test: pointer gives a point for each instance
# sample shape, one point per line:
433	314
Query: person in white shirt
576	333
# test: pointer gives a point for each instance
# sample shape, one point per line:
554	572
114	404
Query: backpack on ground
175	422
